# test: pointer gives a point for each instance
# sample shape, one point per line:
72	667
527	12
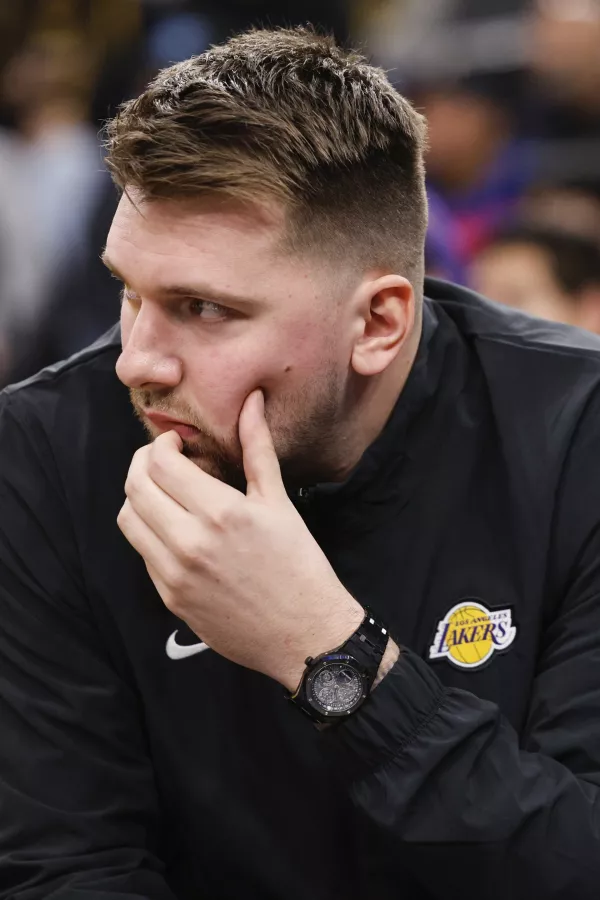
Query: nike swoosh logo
180	651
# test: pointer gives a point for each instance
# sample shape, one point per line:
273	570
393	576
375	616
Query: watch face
337	687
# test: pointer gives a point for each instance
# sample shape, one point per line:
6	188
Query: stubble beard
222	460
305	429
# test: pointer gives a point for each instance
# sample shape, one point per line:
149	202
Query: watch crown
308	660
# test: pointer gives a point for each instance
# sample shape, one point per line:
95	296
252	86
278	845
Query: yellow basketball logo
469	634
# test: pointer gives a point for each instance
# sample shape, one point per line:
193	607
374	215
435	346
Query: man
544	272
358	507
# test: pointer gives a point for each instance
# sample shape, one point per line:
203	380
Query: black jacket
472	525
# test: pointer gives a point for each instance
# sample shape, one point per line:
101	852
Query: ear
387	308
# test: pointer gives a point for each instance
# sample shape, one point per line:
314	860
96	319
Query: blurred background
511	89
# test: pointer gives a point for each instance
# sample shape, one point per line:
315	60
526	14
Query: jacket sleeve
452	794
78	804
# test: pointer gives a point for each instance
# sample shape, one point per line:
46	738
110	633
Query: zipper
303	499
304	493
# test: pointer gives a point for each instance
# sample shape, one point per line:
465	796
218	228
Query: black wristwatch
335	684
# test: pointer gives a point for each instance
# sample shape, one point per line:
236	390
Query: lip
161	419
166	423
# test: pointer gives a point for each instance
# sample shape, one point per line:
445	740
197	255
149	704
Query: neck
378	397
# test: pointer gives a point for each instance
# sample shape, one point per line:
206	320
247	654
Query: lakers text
469	634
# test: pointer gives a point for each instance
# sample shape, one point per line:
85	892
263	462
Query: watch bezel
336	659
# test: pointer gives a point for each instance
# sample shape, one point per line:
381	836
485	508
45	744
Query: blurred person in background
511	92
54	165
564	43
443	250
21	280
59	167
571	206
564	54
551	274
476	163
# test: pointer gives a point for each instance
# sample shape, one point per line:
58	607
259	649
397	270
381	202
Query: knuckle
169	598
229	516
173	577
189	551
138	460
135	473
131	485
156	466
122	517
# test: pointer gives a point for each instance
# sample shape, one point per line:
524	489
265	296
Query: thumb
261	465
171	438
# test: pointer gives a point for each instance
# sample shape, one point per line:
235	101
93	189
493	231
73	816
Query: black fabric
127	774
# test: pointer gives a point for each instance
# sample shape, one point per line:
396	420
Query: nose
146	360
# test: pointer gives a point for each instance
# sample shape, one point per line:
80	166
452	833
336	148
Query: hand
243	571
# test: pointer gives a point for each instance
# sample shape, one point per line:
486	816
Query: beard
305	427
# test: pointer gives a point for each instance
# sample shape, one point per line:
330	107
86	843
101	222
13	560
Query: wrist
327	634
336	683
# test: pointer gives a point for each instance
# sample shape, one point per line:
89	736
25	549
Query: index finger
184	481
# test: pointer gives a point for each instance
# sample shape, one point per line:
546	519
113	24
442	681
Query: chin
222	469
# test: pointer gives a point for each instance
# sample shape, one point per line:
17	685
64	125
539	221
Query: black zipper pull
302	499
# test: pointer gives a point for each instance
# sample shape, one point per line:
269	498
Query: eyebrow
182	290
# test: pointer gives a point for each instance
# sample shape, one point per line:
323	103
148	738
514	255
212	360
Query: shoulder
67	388
70	416
541	390
511	331
100	356
535	371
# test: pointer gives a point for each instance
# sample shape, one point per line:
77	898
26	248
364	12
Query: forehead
214	235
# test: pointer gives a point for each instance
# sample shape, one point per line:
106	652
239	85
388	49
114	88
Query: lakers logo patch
469	634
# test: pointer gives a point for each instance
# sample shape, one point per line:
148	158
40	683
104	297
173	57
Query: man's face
213	309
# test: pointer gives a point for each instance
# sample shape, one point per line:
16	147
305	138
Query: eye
205	309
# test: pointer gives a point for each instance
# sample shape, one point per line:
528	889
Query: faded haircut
286	115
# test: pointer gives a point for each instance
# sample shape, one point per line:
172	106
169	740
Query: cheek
281	363
220	385
298	356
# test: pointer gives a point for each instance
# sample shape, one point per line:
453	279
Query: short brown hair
289	115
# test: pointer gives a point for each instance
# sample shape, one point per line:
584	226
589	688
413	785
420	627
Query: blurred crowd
511	89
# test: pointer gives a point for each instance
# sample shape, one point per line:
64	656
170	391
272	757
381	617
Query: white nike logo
180	651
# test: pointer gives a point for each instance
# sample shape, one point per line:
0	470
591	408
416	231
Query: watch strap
368	643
